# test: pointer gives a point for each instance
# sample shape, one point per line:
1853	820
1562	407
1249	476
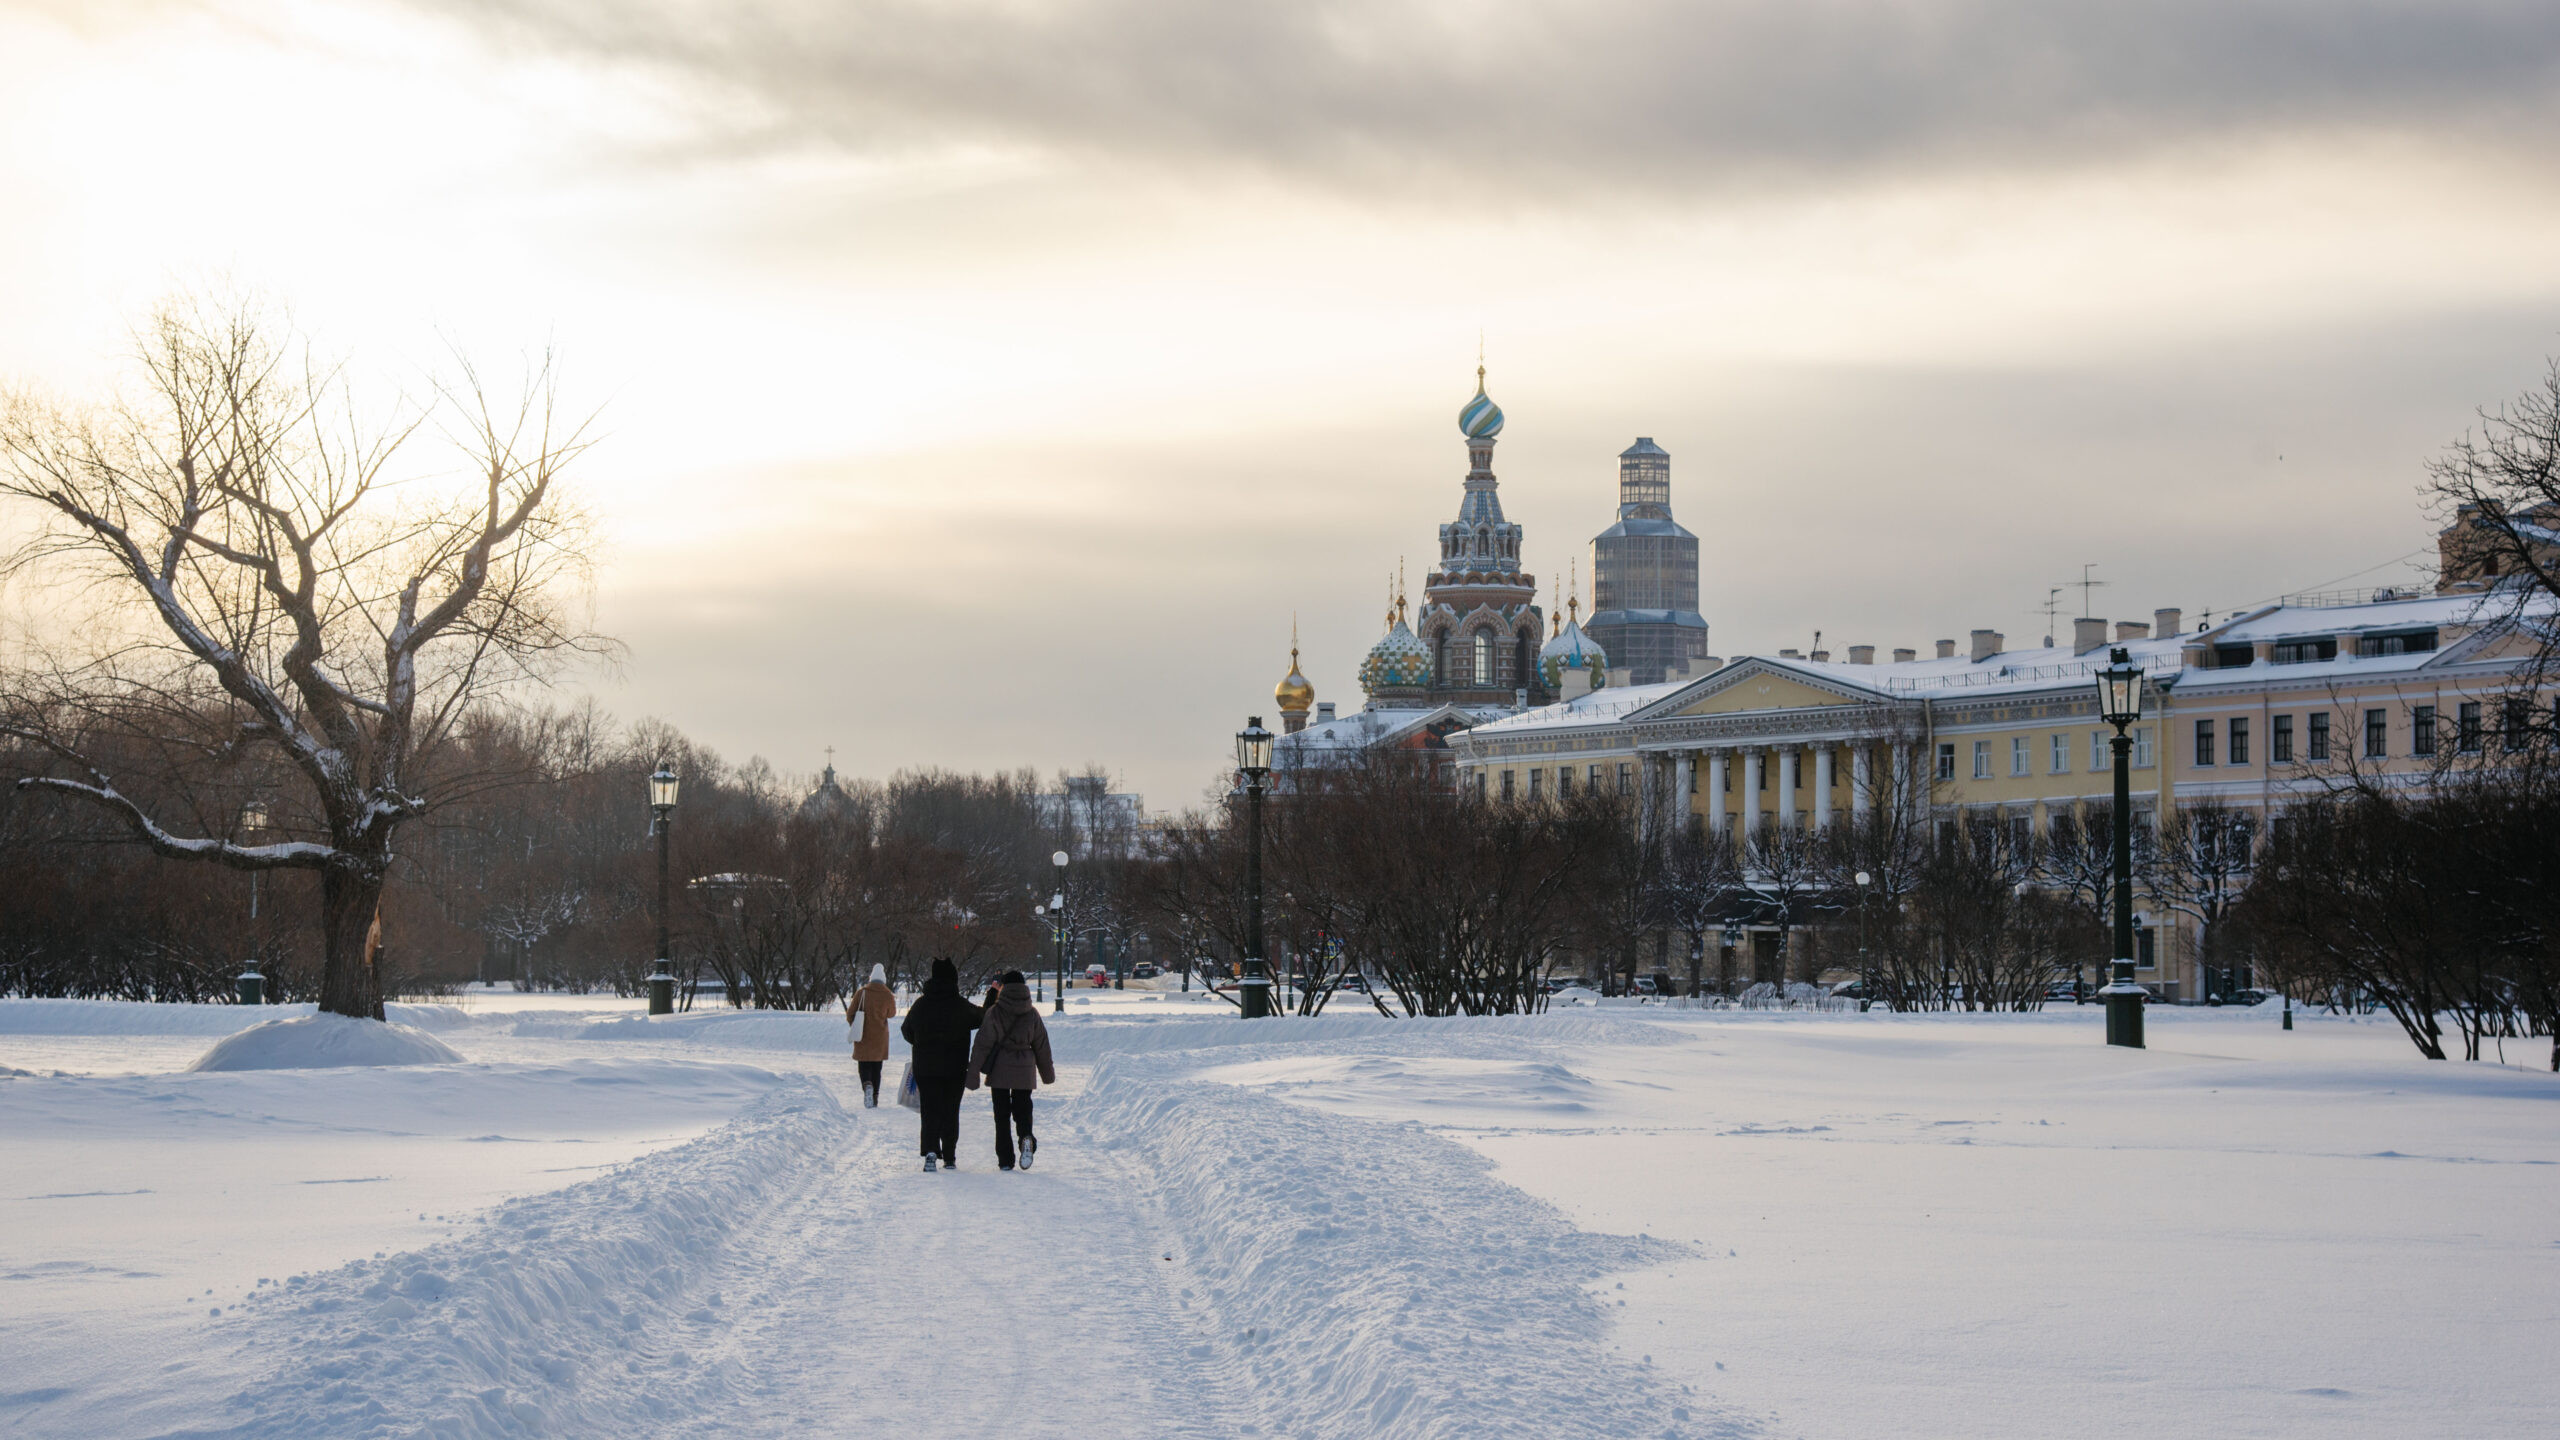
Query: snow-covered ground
1592	1223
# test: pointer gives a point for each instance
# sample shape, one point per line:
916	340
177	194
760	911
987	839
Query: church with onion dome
1474	649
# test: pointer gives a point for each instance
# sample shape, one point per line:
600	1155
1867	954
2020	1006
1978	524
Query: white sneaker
1030	1147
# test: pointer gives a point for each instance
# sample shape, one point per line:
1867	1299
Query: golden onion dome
1294	694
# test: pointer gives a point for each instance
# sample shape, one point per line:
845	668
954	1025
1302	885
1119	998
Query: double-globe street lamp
1253	757
2119	705
662	805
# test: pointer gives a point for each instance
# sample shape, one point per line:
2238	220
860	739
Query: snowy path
872	1297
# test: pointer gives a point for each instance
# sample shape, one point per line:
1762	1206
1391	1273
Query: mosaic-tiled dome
1399	661
1570	649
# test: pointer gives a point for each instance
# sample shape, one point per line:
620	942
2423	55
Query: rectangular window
2204	742
1947	761
2468	719
1981	759
1533	783
2141	747
1693	777
1506	784
2021	833
2017	754
2098	752
2234	657
2422	730
1564	783
2280	744
2515	721
2239	740
2320	735
2146	953
1626	777
1479	785
2061	753
2377	734
1595	779
2302	652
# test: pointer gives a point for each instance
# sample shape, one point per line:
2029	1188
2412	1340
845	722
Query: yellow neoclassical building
2250	714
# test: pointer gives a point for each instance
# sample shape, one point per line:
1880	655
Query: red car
1097	976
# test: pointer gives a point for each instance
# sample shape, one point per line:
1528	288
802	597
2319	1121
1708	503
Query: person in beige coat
877	1005
1012	1056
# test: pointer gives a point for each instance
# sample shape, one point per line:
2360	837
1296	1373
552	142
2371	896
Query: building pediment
1754	684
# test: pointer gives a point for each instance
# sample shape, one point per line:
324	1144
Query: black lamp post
2120	704
1866	990
1253	757
253	825
1058	927
662	805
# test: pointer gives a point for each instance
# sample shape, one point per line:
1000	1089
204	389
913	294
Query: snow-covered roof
2285	622
1600	707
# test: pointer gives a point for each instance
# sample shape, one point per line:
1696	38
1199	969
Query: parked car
2249	997
1146	970
1353	980
2061	992
1852	990
1098	976
1647	985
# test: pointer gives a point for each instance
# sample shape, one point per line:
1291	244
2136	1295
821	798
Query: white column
1790	761
1684	773
1822	776
1753	757
1862	780
1715	791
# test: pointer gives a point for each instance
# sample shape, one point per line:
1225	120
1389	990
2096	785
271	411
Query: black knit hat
1011	977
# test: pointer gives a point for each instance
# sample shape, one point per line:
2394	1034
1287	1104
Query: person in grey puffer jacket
1012	1056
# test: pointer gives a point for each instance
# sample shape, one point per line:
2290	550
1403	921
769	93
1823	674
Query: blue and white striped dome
1481	419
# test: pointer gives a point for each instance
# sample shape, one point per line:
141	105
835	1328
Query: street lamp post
253	825
1253	757
1058	927
662	805
1866	991
2119	705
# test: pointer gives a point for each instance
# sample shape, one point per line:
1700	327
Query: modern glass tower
1644	576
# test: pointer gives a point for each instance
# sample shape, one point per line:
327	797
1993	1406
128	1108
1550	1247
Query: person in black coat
939	1028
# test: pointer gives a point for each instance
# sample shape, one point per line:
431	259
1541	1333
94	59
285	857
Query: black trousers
870	1071
1013	1117
940	1096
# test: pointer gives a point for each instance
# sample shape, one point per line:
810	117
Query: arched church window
1440	658
1484	658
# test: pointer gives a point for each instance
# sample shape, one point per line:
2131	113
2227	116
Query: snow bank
320	1042
1375	1280
126	1017
539	1320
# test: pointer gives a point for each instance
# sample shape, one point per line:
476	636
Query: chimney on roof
1862	654
1790	654
2088	635
1904	655
2131	630
1946	649
1577	683
1821	654
1986	643
1324	712
2164	623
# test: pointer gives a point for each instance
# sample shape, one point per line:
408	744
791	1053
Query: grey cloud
1514	96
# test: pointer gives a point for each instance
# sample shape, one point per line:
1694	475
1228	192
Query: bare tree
2199	865
258	559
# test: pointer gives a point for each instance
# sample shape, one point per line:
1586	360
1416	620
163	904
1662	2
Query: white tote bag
907	1095
855	1025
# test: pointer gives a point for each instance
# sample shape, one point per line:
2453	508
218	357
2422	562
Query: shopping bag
855	1024
907	1095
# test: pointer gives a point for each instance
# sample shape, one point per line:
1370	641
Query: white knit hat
879	974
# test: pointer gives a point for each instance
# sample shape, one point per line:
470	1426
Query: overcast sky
987	382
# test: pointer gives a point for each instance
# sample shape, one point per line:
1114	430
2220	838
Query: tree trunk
349	900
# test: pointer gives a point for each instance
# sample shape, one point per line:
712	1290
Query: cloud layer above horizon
989	383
